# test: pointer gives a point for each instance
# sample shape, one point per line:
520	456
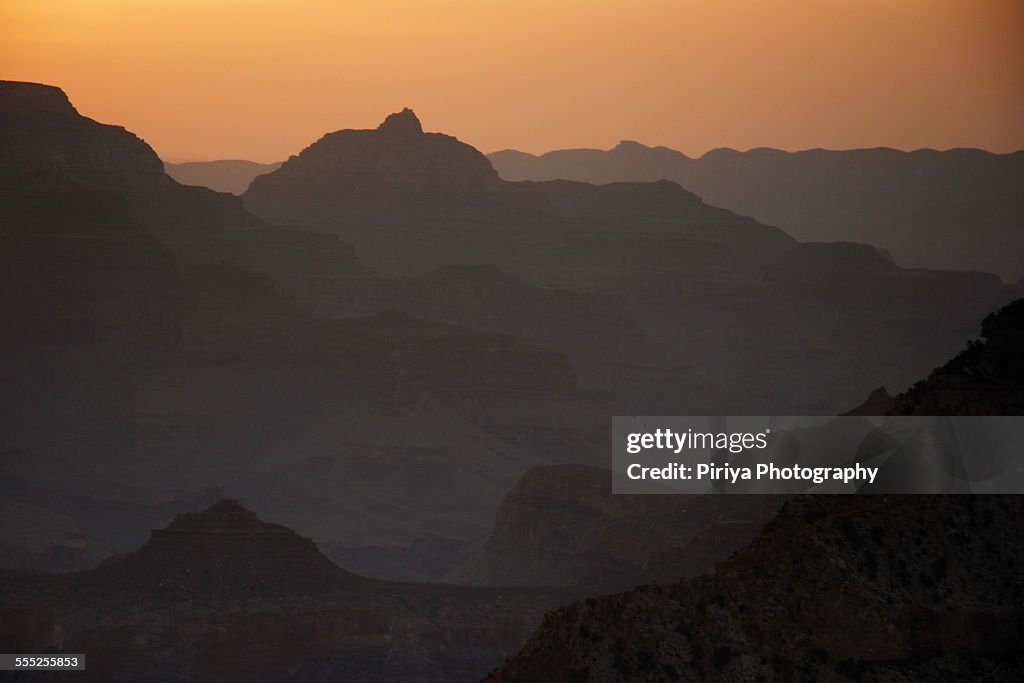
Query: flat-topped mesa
227	547
18	97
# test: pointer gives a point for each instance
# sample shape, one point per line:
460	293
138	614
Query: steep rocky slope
987	378
837	588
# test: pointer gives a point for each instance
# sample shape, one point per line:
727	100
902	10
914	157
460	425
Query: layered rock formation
697	280
837	588
161	341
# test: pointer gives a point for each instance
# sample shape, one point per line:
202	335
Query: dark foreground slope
223	596
959	209
838	588
987	378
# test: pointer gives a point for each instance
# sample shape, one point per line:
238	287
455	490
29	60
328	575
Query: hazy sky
261	79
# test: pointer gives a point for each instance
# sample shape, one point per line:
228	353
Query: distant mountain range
228	175
961	209
385	301
413	202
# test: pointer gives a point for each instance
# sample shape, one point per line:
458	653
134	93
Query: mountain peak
385	169
404	121
226	547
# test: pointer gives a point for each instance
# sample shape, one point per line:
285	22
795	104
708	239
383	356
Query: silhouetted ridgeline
960	209
696	279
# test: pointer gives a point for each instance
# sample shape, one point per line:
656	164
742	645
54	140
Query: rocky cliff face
561	525
43	135
837	588
223	596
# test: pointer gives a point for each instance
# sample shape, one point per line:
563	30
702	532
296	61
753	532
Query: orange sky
260	79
